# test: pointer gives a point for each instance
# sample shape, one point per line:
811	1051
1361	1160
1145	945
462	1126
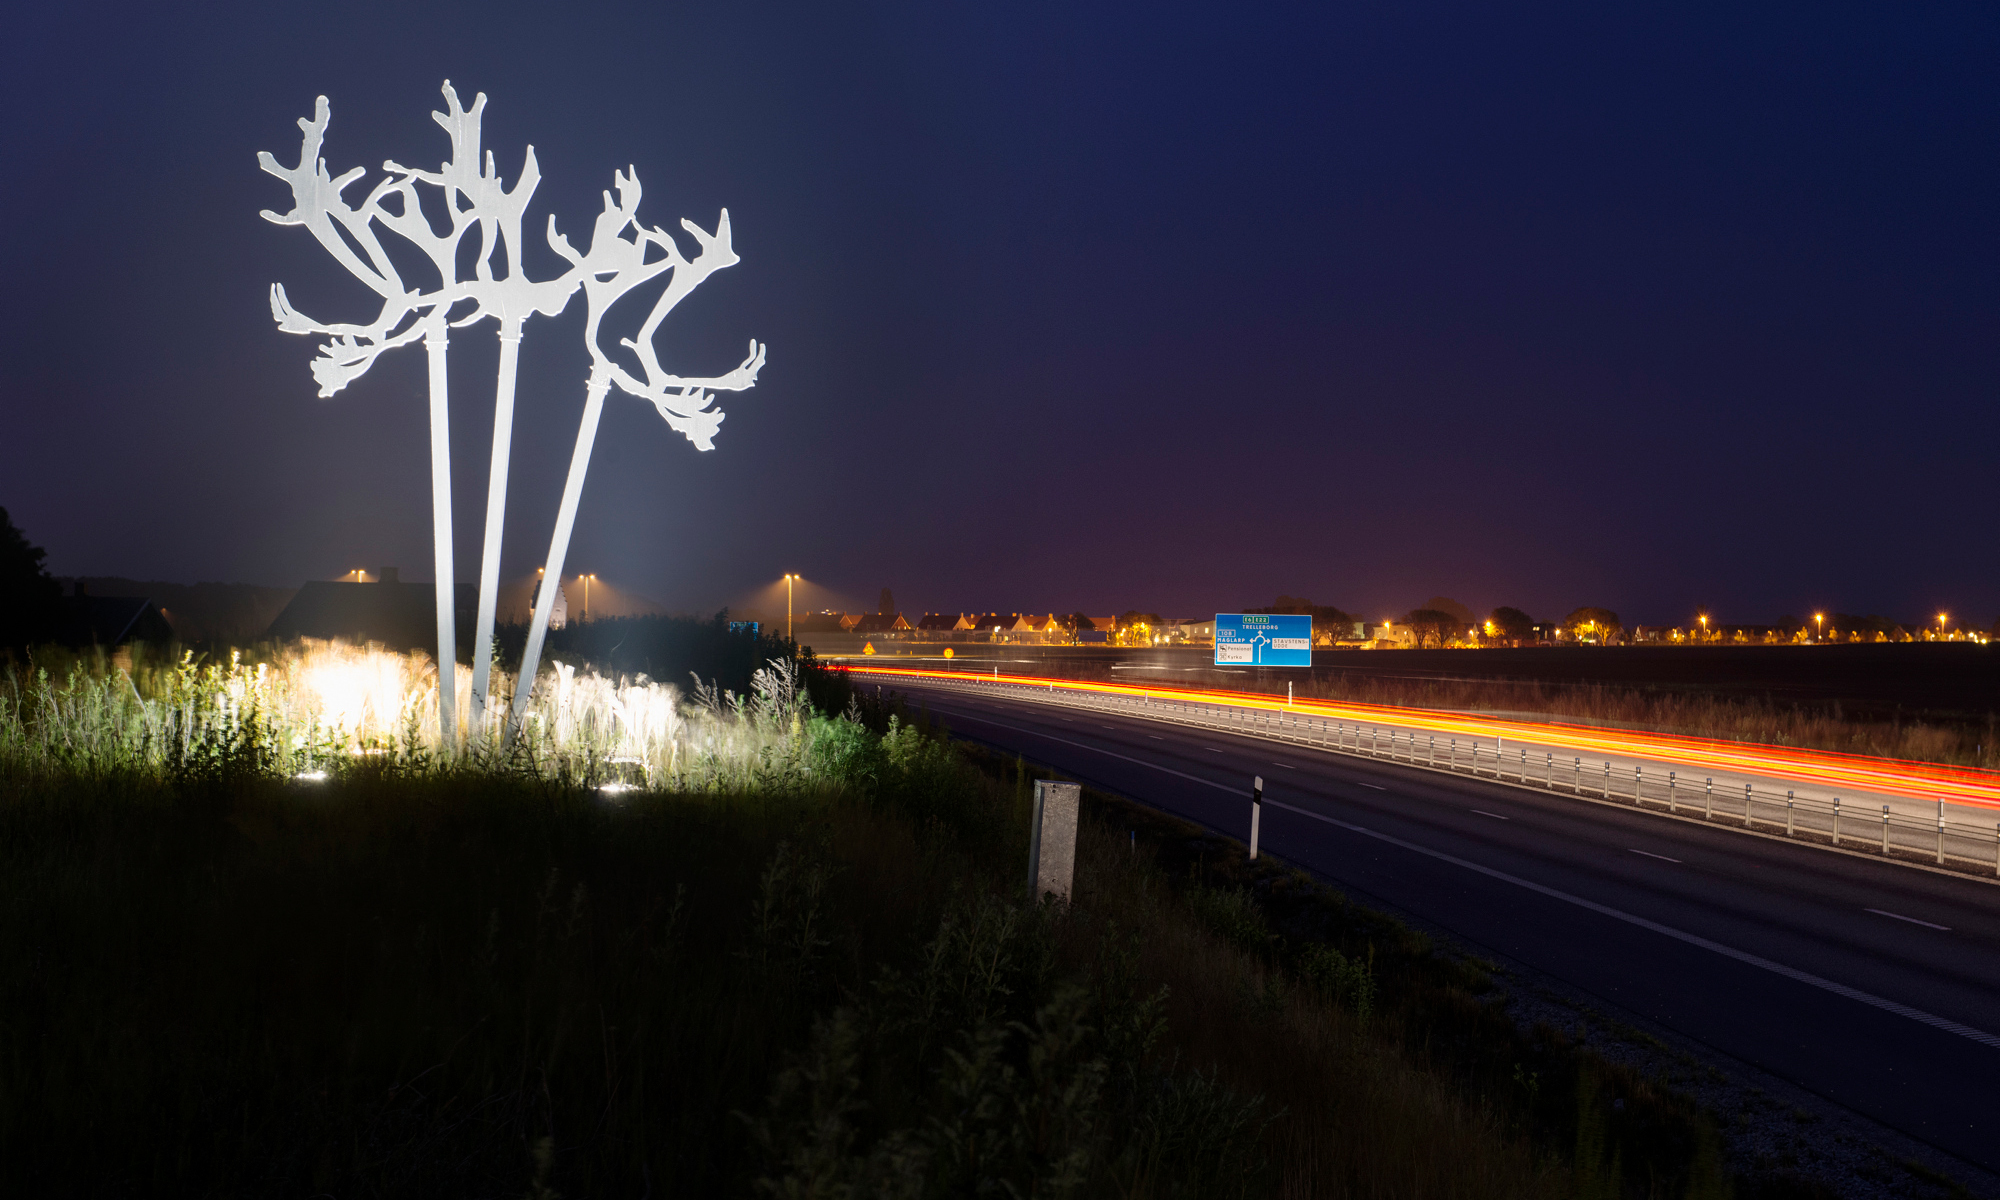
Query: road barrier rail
1852	827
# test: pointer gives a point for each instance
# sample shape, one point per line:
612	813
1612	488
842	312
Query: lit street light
1819	619
586	596
789	579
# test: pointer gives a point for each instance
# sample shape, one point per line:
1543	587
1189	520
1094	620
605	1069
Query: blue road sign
1264	639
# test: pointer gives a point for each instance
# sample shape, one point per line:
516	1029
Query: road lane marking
1482	812
1287	766
1743	956
1883	912
1661	857
1156	737
1211	750
1377	787
1113	728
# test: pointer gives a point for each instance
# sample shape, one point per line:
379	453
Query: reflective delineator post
1256	812
1052	840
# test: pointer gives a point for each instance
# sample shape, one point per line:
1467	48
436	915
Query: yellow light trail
1965	786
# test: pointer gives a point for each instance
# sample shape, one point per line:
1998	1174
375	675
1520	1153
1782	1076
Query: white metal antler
475	199
611	268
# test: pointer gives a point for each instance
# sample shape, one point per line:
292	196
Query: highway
1873	986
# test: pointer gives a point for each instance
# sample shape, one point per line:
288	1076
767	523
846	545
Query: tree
1432	627
30	600
1510	624
887	604
1595	625
1323	615
1451	608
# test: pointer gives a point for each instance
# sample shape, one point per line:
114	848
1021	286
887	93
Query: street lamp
586	596
789	580
1703	618
1941	619
1819	619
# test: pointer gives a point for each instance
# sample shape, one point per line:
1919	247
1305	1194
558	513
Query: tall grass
791	958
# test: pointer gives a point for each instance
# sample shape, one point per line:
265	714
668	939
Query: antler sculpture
610	269
476	200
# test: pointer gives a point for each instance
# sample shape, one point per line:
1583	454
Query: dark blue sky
1134	307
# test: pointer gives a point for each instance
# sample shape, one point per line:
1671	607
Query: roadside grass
813	974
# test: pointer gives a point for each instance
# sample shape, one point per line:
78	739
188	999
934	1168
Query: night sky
1069	307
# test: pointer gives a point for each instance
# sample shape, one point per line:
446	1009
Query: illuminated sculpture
474	198
612	267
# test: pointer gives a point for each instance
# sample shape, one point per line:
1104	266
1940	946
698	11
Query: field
794	959
1933	703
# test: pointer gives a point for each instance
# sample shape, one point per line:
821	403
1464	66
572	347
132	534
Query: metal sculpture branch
476	200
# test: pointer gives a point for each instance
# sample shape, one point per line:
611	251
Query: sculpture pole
579	466
496	514
435	343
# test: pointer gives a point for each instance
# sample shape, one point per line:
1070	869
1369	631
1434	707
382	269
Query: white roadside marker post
1052	840
1256	812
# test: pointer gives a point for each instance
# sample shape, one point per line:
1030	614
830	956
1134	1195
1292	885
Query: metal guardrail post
1638	780
1576	776
1549	778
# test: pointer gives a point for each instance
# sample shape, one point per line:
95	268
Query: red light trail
1928	782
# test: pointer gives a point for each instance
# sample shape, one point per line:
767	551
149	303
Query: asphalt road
1872	986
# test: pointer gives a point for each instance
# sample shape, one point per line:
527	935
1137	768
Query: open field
1931	703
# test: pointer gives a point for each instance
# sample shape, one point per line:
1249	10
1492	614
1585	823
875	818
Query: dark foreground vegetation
411	980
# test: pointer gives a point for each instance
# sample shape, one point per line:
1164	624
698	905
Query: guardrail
1851	827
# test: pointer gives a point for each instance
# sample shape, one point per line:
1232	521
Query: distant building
400	616
89	620
889	625
944	627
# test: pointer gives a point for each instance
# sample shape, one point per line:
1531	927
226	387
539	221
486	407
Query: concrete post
1052	840
1256	812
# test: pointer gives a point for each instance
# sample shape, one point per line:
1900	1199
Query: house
944	627
883	625
89	620
400	616
1195	631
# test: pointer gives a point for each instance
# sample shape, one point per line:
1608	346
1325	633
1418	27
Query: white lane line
1211	750
1482	812
1287	766
1377	787
1839	989
1156	737
1113	728
1661	857
1743	956
1883	912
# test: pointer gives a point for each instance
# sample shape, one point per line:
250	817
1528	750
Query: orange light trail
1965	786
